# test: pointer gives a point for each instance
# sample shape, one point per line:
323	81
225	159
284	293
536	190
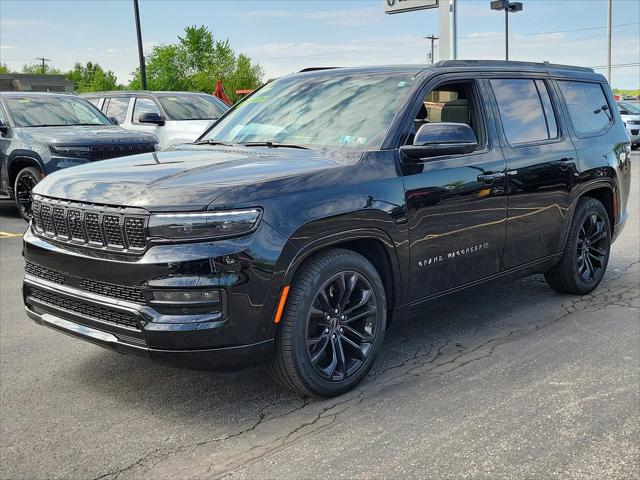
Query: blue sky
285	36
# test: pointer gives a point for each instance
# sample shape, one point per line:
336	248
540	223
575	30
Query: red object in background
220	93
617	98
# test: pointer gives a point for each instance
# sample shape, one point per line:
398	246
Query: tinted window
521	111
192	107
53	111
588	107
549	114
144	105
118	108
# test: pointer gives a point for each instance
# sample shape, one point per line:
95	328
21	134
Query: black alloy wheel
592	247
586	252
333	325
341	326
26	179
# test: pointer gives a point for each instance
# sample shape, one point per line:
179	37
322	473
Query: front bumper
221	359
106	299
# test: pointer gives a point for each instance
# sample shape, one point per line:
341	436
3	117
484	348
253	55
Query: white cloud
353	17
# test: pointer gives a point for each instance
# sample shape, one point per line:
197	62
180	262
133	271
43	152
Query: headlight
71	151
205	225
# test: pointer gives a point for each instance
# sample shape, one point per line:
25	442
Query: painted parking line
9	234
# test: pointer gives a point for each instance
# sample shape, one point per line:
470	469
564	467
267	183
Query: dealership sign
399	6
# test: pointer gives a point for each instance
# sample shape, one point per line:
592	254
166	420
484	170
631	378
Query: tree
92	78
4	68
38	69
196	62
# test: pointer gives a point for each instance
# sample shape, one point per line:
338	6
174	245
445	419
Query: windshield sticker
258	99
347	139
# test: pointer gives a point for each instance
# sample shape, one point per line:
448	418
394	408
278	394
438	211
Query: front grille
123	292
44	273
104	152
95	312
112	228
113	290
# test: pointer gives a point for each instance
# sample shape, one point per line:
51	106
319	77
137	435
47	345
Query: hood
188	178
184	131
85	135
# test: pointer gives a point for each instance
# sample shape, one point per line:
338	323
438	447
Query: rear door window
525	109
587	105
118	107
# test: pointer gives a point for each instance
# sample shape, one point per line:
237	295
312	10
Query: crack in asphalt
439	357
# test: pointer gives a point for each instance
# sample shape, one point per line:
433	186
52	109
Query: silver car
630	113
173	117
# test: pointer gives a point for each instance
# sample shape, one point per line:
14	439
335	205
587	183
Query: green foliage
37	69
92	78
196	63
631	93
4	68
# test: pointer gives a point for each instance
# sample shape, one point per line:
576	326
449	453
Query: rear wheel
26	179
333	325
586	254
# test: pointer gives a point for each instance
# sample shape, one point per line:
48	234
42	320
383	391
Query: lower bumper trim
216	359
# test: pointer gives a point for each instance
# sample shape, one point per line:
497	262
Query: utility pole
433	38
44	67
609	34
143	70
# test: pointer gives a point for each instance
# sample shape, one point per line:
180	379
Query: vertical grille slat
113	228
113	231
60	222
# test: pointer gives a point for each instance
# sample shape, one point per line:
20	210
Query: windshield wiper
275	145
215	142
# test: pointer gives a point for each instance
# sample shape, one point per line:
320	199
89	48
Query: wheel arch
373	244
17	163
605	193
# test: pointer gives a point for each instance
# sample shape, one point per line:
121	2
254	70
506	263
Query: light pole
143	70
508	7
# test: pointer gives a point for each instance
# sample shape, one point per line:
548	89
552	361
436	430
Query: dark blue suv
44	132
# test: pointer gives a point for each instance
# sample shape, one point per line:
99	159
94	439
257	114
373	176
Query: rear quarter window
588	107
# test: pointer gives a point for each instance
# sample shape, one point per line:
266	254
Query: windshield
53	112
192	107
327	111
630	107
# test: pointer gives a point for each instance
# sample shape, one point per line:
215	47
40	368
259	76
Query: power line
555	31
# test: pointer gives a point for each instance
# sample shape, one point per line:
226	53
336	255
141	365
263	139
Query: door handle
489	178
564	163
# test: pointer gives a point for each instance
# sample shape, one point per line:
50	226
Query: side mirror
4	128
151	117
114	120
437	139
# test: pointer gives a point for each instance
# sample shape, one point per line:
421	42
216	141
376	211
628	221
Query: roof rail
314	69
508	63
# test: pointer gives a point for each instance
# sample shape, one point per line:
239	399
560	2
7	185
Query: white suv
630	113
173	117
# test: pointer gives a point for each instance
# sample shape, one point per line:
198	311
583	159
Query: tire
586	253
26	179
307	357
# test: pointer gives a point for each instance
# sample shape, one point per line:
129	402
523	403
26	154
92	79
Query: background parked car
630	113
173	117
44	132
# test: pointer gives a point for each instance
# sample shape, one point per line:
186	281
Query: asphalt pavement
502	381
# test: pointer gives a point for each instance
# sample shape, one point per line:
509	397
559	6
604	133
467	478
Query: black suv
326	204
44	132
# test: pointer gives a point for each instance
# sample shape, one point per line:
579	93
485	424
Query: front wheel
586	253
332	327
26	179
